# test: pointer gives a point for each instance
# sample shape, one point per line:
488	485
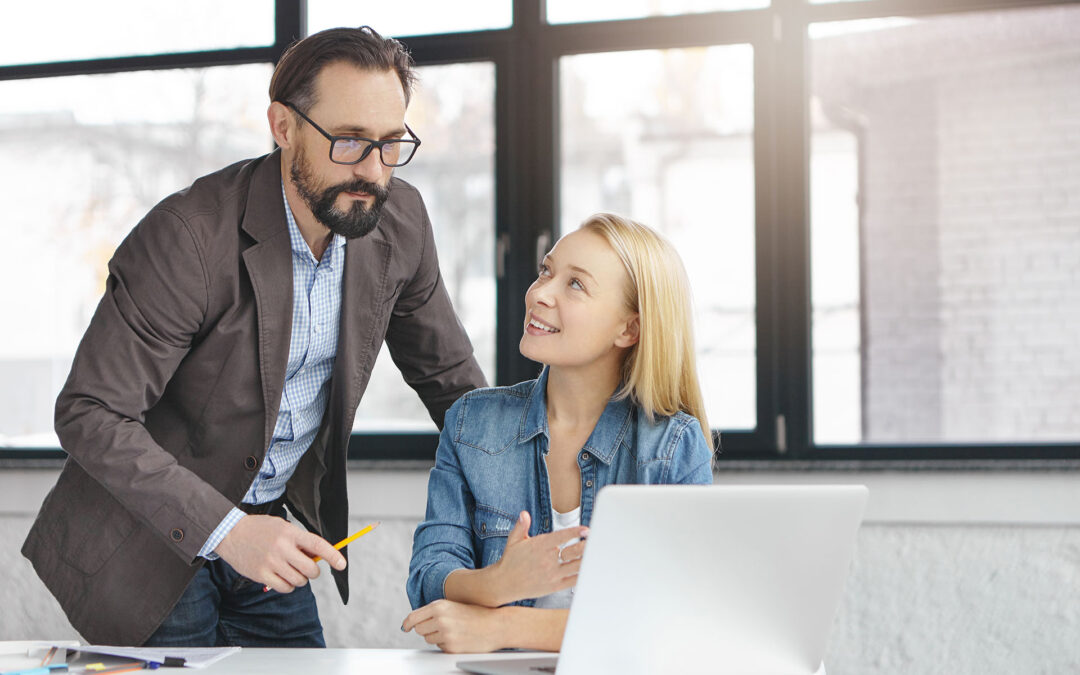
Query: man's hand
531	567
270	551
456	627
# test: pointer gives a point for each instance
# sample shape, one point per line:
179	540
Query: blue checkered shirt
312	347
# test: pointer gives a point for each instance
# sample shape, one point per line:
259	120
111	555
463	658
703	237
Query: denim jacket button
483	527
584	456
588	483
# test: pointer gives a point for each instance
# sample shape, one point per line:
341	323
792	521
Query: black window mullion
790	272
531	100
290	24
662	32
205	59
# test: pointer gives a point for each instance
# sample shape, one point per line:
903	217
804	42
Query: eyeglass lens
393	153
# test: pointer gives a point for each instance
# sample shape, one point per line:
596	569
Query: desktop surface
252	661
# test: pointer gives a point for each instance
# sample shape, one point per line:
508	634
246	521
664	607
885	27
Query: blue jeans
221	608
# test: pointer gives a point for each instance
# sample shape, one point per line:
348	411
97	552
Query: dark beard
358	220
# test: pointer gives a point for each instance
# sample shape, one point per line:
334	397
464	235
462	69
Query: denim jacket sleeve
443	542
691	463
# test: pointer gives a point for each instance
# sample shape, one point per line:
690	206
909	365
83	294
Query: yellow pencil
343	543
351	538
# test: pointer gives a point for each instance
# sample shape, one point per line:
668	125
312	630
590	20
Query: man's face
348	199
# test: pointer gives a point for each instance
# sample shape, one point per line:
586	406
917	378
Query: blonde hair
659	373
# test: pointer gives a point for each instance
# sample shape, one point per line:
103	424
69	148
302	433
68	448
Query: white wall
954	572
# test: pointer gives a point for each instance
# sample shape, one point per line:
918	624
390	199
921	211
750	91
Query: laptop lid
711	579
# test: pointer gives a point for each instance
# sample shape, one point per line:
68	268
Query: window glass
666	137
417	17
945	228
61	30
453	113
84	158
573	11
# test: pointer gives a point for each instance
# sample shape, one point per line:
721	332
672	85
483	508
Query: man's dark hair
294	76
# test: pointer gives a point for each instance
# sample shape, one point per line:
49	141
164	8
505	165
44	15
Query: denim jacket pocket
490	528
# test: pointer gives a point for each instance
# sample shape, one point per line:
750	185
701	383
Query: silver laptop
705	579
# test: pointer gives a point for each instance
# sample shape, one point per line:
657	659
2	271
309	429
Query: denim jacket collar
605	438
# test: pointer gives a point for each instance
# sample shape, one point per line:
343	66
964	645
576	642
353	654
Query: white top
561	521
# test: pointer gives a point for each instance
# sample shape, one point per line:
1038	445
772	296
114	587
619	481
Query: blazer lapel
367	273
269	266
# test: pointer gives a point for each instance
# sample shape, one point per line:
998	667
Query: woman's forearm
475	587
532	628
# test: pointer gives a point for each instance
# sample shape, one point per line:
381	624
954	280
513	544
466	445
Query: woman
518	468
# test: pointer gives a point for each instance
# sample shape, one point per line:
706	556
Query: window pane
946	228
573	11
86	157
61	30
666	137
453	112
419	17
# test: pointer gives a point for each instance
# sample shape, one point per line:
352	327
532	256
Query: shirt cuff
227	523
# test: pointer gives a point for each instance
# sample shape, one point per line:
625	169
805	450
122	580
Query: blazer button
177	535
250	463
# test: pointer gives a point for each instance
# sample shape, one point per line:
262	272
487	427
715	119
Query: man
219	377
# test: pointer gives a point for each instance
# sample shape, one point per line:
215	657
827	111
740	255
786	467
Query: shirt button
584	456
588	483
250	463
177	535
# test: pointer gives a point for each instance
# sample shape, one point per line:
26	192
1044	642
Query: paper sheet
194	657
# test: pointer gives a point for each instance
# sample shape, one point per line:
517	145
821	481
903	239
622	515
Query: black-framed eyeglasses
353	149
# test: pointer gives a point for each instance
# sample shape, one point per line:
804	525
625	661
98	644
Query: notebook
705	579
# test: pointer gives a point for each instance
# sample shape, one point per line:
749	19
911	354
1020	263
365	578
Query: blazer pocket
90	525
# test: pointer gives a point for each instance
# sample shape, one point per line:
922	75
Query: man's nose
370	168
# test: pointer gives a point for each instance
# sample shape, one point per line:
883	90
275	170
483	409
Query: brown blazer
175	388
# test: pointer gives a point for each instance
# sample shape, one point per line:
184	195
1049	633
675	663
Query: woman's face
575	312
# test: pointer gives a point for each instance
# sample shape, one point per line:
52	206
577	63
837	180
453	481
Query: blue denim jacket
490	466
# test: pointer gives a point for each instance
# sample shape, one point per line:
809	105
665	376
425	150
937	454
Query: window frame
525	57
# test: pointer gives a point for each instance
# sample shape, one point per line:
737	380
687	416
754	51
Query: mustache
360	185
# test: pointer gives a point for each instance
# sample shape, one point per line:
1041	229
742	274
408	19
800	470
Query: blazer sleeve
443	542
154	304
425	337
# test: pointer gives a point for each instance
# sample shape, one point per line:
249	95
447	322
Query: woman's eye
577	285
543	271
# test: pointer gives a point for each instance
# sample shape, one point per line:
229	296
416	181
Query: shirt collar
605	438
299	246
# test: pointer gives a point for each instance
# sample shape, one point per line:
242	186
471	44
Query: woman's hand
456	627
534	566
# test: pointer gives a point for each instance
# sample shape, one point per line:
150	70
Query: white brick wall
971	230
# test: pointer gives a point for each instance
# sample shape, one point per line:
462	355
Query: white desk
250	661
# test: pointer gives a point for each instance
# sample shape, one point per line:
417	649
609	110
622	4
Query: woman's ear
631	332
